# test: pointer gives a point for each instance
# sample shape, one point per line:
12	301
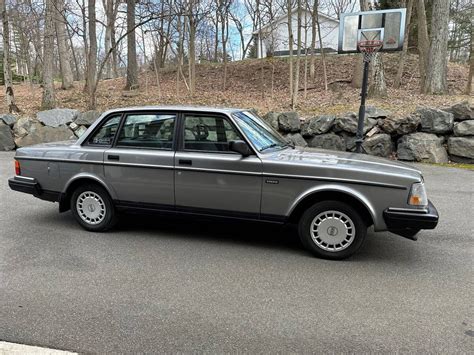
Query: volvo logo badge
332	231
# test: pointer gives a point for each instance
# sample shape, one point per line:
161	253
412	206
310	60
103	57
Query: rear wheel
332	230
93	208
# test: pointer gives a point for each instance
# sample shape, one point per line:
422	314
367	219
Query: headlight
418	195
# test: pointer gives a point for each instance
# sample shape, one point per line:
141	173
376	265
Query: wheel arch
333	193
73	183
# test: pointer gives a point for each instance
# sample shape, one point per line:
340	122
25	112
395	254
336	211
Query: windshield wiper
273	145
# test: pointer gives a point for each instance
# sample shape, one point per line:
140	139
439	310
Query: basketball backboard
384	25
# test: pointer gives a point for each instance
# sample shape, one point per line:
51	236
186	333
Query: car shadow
377	248
257	234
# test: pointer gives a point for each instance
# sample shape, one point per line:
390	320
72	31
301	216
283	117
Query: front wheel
93	208
332	230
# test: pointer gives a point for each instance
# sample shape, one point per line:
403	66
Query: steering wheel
200	131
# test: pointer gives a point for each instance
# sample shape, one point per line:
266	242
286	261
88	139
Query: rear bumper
408	222
31	186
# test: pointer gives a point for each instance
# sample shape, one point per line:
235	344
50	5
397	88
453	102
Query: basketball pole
363	95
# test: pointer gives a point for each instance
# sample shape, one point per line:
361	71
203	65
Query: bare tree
92	61
296	84
290	44
471	68
111	10
48	100
7	75
132	65
321	47
436	73
61	35
423	41
403	54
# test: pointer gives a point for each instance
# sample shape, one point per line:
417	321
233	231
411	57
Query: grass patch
454	165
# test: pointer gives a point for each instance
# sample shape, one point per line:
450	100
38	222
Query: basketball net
369	48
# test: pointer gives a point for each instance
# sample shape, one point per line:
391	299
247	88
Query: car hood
328	163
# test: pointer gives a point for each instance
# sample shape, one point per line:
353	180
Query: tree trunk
312	65
110	22
403	54
86	45
377	86
290	45
7	75
296	84
423	41
192	53
323	55
92	61
77	72
64	58
436	82
48	99
132	65
468	90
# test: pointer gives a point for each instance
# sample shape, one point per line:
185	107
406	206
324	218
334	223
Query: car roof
176	108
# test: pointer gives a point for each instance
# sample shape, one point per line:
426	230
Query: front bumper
407	222
31	186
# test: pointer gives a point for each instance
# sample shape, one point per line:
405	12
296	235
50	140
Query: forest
101	54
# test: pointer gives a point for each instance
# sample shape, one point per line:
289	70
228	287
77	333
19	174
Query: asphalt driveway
155	285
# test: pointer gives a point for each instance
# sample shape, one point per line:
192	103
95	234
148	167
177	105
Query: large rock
6	137
349	140
57	117
422	147
348	122
374	112
87	118
297	139
8	119
464	128
327	141
435	121
461	146
289	122
401	124
25	125
462	111
272	118
317	125
380	145
46	134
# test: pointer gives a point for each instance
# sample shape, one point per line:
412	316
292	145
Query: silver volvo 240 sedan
225	163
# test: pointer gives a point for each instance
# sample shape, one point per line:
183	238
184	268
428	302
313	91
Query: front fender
341	189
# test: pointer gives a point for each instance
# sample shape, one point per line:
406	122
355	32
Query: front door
211	179
140	166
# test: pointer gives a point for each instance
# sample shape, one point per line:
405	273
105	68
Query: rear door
211	179
140	165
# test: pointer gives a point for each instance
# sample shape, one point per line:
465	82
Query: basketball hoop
369	48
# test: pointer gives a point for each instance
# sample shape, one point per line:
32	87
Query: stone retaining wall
426	135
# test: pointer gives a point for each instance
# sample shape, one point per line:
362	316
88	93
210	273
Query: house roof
284	16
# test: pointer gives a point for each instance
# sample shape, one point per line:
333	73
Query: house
272	39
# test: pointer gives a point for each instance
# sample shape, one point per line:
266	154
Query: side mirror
240	147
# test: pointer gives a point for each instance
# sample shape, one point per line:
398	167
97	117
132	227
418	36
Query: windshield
258	131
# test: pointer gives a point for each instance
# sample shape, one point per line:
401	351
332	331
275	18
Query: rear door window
154	131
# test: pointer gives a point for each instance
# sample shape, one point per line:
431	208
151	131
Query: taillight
17	168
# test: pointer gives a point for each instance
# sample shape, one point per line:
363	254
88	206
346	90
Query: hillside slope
244	88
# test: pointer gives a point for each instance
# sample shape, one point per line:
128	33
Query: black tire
345	216
105	220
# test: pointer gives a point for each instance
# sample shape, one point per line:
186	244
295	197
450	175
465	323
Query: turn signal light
17	168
